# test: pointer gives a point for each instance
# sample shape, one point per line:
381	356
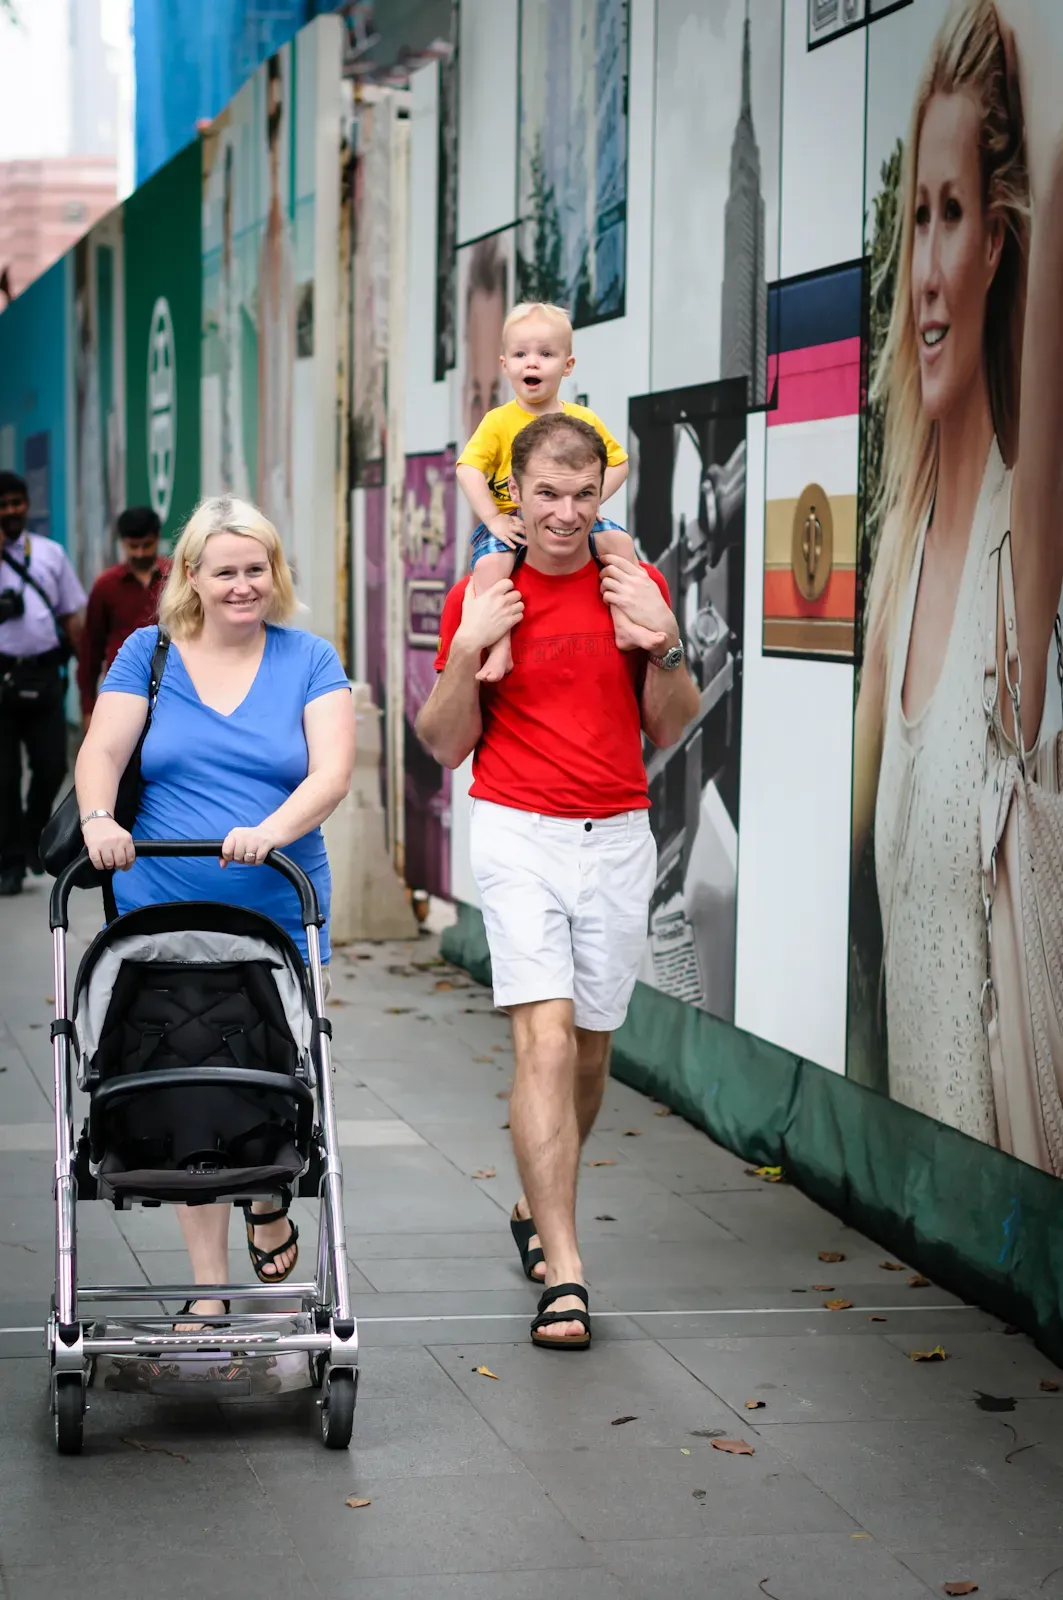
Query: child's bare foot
499	662
632	636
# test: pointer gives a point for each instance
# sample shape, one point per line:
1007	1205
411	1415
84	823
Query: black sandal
544	1318
265	1258
186	1311
523	1231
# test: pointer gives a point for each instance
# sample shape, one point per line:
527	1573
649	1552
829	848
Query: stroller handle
81	873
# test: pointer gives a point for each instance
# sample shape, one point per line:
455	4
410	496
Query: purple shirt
34	632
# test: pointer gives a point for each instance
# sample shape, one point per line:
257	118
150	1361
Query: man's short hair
568	441
11	483
138	522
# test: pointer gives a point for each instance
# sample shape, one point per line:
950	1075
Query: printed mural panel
963	440
812	464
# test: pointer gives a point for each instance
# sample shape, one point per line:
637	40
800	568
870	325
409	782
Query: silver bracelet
92	815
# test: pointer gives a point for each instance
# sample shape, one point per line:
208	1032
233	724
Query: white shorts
566	906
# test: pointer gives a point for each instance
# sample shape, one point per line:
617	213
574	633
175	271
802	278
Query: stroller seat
196	1054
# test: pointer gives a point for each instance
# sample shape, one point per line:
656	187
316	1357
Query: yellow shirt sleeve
486	448
615	452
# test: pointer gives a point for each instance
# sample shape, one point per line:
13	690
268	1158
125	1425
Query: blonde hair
538	308
180	608
973	54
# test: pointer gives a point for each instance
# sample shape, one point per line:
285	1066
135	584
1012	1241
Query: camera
12	604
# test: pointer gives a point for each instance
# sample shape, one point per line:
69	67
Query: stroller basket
202	1044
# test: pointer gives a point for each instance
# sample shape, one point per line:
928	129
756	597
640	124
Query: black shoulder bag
61	840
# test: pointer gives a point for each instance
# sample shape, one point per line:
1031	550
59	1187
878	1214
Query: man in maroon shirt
122	599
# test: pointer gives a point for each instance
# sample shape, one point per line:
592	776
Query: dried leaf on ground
878	1319
663	1111
684	1452
443	983
399	1011
618	1422
918	1282
959	1588
831	1257
754	1405
485	1172
733	1447
1049	1385
336	1000
632	1133
500	1094
823	1288
153	1449
601	1163
699	1494
485	1372
604	1216
503	1126
891	1266
769	1174
937	1354
498	1048
839	1305
356	1504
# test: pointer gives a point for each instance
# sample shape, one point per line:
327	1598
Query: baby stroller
205	1052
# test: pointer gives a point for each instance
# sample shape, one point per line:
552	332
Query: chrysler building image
744	300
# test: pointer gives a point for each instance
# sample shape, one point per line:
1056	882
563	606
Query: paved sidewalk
581	1477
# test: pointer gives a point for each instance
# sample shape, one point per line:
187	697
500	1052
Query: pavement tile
908	1482
651	1494
834	1377
1030	1571
252	1576
544	1402
395	1436
501	1523
825	1567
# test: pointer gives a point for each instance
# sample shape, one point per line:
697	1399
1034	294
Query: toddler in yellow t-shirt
536	355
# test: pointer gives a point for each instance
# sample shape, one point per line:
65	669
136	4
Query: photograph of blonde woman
964	443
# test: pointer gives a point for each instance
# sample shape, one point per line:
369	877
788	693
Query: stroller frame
329	1336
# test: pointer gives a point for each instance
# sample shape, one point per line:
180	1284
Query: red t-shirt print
562	731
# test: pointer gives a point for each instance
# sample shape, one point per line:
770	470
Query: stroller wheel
338	1395
69	1404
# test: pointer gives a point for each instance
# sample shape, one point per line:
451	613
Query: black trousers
37	726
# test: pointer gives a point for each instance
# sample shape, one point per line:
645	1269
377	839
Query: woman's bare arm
867	742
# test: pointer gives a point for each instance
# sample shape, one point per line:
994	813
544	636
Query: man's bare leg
559	1082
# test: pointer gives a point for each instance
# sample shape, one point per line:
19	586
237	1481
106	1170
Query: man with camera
41	605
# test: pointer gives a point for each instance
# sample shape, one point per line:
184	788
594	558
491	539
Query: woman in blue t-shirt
251	741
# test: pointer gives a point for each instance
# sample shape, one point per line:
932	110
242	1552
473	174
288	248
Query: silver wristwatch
670	660
90	816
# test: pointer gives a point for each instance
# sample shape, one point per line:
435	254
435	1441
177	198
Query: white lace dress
927	854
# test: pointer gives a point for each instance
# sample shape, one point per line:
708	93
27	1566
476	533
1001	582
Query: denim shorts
485	543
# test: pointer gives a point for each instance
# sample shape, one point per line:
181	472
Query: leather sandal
544	1318
265	1258
523	1231
186	1312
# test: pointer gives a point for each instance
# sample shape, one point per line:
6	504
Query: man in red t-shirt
560	841
122	599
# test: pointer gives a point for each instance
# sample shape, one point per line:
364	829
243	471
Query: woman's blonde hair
974	55
180	608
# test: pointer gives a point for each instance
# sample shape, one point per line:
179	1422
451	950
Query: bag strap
27	577
158	667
